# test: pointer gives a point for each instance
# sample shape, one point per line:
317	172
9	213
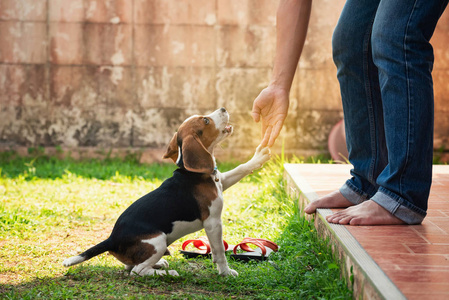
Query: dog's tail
88	254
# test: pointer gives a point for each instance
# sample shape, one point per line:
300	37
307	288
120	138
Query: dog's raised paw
261	156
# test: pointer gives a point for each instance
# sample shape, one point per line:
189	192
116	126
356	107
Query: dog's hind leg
161	264
148	267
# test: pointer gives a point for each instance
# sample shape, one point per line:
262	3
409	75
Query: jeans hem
353	194
399	207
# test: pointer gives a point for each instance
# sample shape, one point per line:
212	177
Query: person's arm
272	104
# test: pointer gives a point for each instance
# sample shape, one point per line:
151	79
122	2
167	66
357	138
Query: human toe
310	208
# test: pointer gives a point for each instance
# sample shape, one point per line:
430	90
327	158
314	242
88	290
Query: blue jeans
384	62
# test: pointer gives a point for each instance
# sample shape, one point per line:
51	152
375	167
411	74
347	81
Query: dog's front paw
262	155
229	272
224	270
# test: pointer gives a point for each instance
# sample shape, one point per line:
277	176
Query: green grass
51	209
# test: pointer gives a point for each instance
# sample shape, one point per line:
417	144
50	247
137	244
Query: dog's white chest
182	228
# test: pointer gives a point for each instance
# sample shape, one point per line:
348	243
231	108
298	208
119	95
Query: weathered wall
100	74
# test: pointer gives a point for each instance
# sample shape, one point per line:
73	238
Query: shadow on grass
88	282
198	280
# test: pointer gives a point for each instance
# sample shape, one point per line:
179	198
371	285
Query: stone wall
123	74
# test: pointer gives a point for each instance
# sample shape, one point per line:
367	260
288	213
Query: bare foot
332	200
365	213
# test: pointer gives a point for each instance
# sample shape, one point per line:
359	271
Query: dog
190	200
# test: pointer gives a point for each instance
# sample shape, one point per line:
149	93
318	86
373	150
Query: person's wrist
279	90
279	86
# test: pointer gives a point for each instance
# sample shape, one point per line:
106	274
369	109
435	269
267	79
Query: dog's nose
223	109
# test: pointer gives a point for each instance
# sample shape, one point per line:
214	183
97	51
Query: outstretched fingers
266	132
275	131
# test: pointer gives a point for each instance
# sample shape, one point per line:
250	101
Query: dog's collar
214	173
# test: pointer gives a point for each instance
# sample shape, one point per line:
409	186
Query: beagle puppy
188	201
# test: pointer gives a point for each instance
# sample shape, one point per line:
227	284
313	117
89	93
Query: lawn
51	209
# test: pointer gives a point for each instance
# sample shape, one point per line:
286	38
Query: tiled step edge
369	281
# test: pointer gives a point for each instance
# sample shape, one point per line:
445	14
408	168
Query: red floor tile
435	213
437	238
422	296
426	290
374	240
423	276
441	223
383	247
428	249
410	260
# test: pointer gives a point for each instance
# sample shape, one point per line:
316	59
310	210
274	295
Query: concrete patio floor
387	262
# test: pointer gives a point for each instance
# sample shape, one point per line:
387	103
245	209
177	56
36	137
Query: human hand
272	105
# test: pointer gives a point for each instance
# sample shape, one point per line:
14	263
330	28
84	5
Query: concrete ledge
369	281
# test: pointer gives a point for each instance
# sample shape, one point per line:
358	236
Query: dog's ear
172	149
195	156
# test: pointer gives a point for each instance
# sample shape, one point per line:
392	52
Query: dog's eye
206	121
